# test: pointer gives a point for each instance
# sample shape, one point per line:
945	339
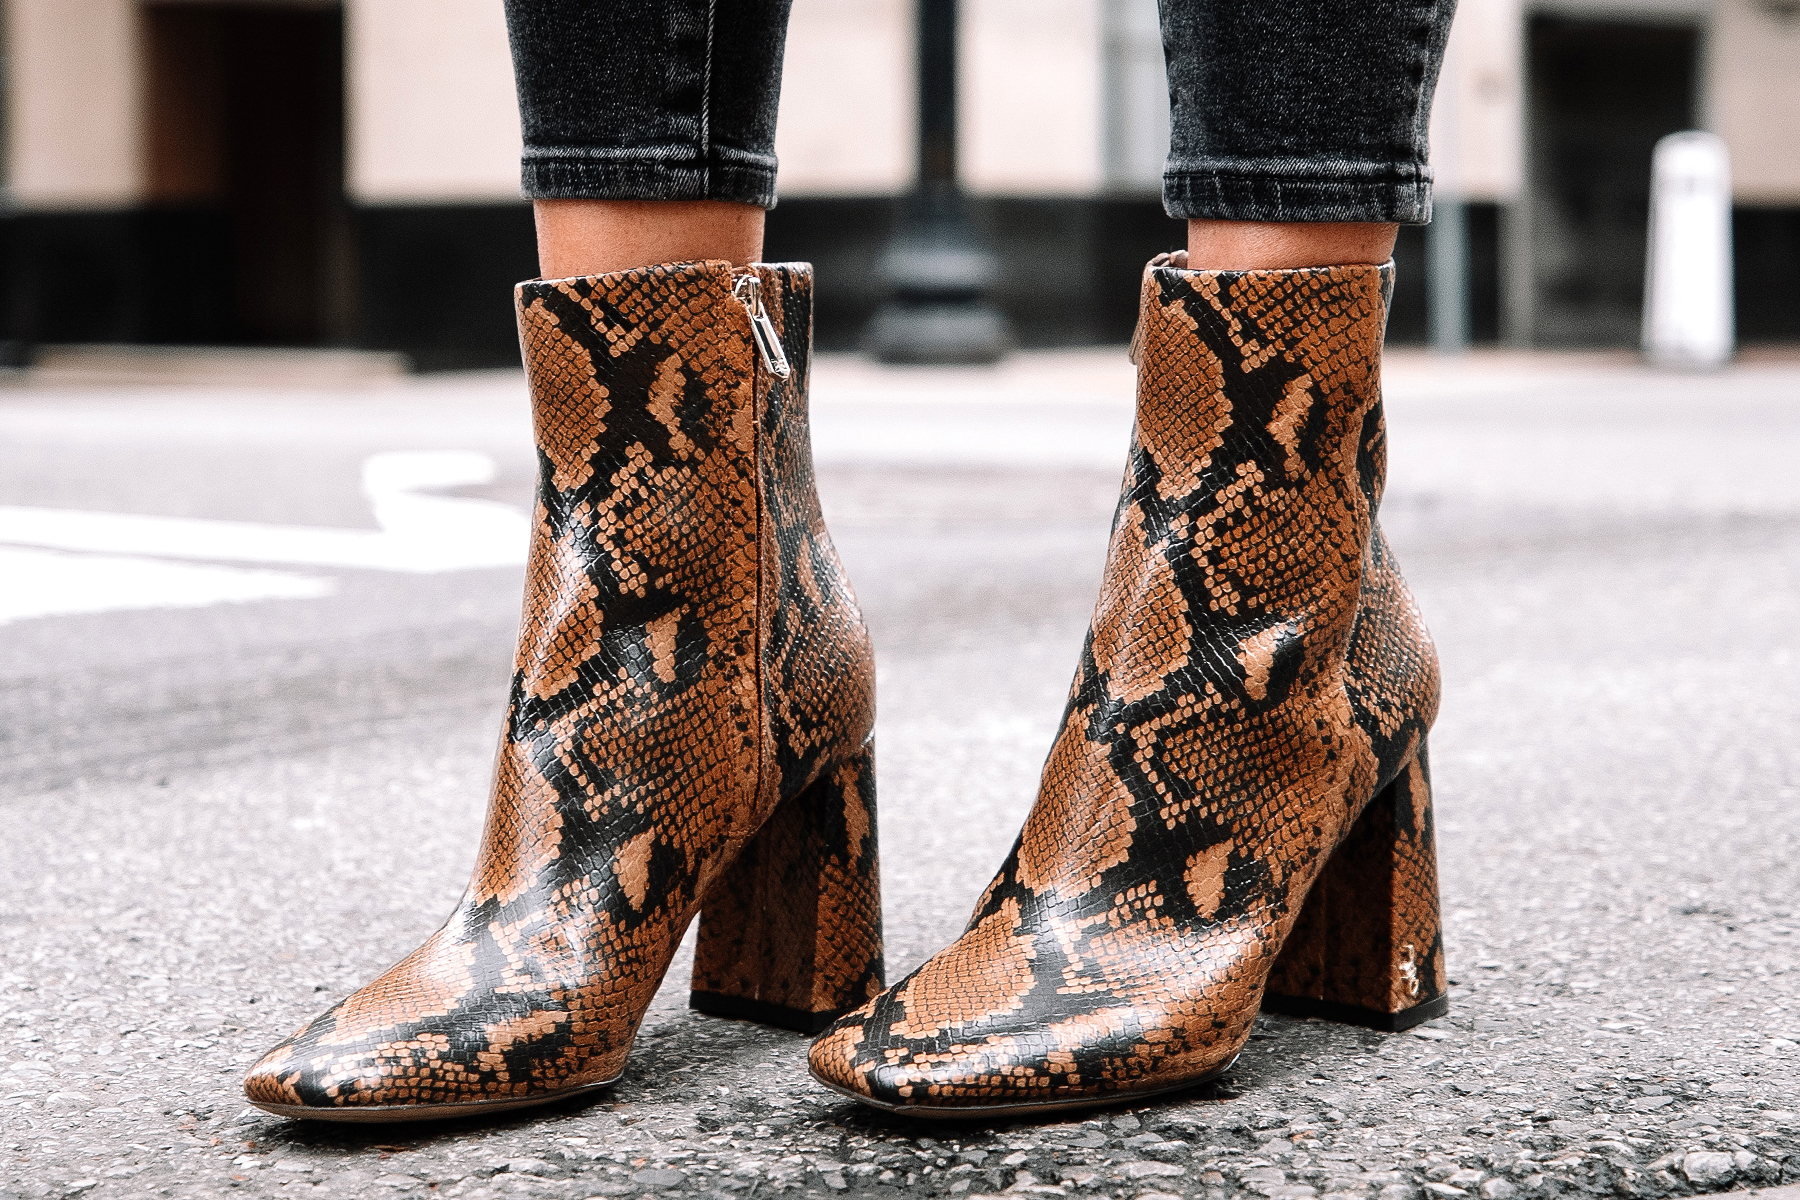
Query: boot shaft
1254	663
818	667
682	592
1266	385
1260	431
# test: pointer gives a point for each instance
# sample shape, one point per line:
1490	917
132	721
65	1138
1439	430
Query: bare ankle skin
592	237
1271	246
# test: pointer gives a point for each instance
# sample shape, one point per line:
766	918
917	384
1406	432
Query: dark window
246	119
1602	93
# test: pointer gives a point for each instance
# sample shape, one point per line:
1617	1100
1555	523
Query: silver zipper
748	290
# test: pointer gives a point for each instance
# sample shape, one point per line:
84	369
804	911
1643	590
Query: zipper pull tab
748	290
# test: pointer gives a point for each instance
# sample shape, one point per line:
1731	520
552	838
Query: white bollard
1688	320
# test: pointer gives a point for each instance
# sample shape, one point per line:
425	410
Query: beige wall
432	116
1753	101
1478	119
72	104
1135	137
1030	107
847	123
430	109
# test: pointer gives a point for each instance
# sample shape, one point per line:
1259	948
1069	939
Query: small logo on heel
1409	970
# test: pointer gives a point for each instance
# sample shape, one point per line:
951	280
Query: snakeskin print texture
1254	675
692	672
792	936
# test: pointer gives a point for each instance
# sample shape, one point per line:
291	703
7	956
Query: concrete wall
430	109
72	104
433	116
1753	84
848	122
1135	142
1478	121
432	113
1030	107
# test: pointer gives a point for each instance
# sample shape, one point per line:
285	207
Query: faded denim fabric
648	99
1301	110
1280	110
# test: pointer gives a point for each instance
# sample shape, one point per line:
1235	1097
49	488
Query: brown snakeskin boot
689	729
1236	810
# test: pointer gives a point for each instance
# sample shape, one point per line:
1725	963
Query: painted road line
46	583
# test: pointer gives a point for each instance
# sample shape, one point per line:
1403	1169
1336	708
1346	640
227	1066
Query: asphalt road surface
254	649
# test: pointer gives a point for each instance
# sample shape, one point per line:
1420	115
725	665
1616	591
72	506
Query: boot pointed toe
858	1056
837	1059
296	1078
1042	1049
278	1080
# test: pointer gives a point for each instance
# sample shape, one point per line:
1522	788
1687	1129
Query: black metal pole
937	93
936	269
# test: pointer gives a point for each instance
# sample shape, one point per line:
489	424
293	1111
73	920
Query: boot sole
736	1008
381	1114
977	1112
1355	1014
708	1003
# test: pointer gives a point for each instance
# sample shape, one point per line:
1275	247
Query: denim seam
1307	168
706	99
635	175
1402	196
677	152
1421	116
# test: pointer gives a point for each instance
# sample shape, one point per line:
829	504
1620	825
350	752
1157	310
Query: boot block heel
1368	947
790	935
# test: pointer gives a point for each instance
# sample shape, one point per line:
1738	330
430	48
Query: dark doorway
1602	93
246	123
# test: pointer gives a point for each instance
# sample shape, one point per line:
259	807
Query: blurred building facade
311	172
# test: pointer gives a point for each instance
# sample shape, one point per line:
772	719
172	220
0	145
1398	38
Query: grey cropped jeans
1280	110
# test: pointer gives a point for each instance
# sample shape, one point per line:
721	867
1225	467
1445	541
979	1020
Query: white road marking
419	533
55	561
46	583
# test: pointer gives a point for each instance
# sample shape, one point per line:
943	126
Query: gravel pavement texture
222	814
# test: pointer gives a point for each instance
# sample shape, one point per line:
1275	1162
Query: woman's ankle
593	237
1276	246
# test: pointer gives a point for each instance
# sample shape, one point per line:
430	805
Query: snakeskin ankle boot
689	728
1235	812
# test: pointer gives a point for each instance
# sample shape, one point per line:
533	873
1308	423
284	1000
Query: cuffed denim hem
673	174
1300	190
